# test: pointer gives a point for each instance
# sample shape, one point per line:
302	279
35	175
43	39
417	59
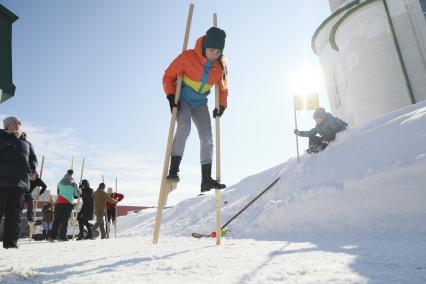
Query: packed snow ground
354	213
186	260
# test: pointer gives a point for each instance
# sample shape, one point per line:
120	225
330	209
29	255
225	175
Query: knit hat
215	38
85	183
9	120
102	185
70	172
320	113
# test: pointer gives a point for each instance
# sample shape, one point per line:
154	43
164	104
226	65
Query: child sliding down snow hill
327	126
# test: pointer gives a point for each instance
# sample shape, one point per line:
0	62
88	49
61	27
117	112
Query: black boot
80	236
89	233
10	244
174	169
44	235
207	182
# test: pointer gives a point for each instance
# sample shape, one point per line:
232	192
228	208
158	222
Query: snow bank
371	180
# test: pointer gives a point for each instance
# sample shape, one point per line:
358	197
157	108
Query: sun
305	80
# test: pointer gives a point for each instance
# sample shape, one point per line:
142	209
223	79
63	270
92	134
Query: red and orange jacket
116	196
190	64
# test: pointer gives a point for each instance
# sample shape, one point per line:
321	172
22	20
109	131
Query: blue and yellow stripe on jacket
195	93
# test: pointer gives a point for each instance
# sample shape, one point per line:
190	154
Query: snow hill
370	181
351	214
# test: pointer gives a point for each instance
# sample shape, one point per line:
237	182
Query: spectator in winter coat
17	162
101	197
67	192
112	208
327	126
86	212
47	220
201	68
35	181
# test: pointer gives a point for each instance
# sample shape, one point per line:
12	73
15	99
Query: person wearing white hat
111	207
17	163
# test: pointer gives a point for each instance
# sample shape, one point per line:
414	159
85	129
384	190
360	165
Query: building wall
123	210
423	4
7	88
363	73
336	4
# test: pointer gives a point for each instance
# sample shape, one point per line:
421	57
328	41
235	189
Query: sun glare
306	80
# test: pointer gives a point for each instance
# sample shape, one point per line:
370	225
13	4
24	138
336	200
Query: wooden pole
297	137
250	203
42	167
82	169
35	204
106	216
115	211
163	188
218	176
78	202
106	224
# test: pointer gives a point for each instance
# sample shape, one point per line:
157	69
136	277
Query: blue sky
88	77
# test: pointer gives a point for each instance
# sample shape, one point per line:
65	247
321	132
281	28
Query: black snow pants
28	198
83	222
317	142
11	200
111	214
60	221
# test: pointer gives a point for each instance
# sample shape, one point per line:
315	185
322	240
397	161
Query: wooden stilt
35	204
218	177
297	137
78	203
165	187
115	211
106	224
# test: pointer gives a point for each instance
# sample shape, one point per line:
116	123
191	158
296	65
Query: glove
219	112
171	98
297	132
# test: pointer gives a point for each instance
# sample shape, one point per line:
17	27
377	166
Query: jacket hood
5	132
327	118
199	48
85	183
67	179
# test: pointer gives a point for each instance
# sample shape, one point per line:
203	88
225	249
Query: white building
373	55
